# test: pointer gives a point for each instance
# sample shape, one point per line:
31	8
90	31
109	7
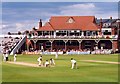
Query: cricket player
4	57
56	55
39	60
15	57
52	62
46	63
73	63
7	53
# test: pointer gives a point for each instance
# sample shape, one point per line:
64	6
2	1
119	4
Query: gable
70	20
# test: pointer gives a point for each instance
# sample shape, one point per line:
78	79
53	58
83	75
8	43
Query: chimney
110	18
100	19
40	23
101	23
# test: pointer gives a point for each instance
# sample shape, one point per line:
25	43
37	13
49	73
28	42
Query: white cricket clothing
73	63
46	63
52	62
39	60
15	58
7	51
56	55
4	57
40	57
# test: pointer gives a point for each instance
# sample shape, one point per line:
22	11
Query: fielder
52	62
73	63
39	60
47	64
4	57
15	57
7	53
56	55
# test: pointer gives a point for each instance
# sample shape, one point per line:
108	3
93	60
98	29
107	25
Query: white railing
11	36
79	37
18	46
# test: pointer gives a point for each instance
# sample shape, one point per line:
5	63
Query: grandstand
13	43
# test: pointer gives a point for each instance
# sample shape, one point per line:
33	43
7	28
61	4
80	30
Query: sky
21	16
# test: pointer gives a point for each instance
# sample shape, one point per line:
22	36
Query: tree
34	28
19	33
26	32
9	33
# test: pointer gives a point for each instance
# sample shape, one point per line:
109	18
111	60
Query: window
72	43
48	44
70	20
87	44
106	32
94	33
59	42
88	33
102	45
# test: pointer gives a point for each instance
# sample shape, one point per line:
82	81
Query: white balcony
114	37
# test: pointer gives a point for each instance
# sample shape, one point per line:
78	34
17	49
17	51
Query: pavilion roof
70	23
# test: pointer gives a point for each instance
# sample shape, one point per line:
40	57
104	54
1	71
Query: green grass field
62	72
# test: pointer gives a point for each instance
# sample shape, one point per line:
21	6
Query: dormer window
70	20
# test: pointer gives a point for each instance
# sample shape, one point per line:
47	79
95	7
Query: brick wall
115	45
113	31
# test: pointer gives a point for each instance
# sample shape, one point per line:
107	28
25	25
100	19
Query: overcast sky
21	16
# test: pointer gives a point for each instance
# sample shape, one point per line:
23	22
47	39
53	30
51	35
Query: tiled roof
61	23
103	20
111	21
91	26
106	20
46	27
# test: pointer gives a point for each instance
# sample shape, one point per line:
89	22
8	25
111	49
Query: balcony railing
76	37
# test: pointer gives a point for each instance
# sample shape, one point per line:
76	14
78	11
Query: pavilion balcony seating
78	52
78	37
105	51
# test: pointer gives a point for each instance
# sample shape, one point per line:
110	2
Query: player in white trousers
4	57
39	60
47	64
52	62
7	53
15	55
74	65
56	55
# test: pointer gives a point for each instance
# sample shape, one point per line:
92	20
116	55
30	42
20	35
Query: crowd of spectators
72	51
9	43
